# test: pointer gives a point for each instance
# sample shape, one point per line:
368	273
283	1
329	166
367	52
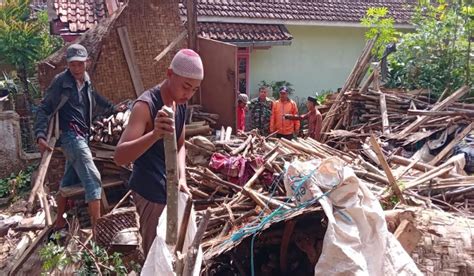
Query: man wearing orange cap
142	140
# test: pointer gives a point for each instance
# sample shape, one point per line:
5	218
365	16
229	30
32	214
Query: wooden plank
194	247
26	255
77	190
408	235
437	107
131	60
191	10
451	145
383	110
386	168
170	46
171	161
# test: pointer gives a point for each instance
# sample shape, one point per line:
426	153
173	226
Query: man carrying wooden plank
314	117
72	95
142	140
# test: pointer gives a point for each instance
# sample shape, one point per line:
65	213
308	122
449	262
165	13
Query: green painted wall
319	58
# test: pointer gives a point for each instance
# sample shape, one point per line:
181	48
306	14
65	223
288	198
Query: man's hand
183	187
43	145
163	124
121	108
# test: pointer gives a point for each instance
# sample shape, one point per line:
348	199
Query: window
243	58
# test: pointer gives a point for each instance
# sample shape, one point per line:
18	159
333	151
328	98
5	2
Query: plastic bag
160	260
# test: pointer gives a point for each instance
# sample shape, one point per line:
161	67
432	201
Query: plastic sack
357	241
160	260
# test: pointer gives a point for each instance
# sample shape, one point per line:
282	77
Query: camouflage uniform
260	113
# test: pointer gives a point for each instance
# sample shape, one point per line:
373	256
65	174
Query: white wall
319	58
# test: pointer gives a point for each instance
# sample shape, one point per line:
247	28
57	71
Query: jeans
80	167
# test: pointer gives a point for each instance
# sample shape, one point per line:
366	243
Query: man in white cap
72	95
142	140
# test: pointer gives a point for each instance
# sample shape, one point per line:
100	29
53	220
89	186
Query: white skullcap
187	63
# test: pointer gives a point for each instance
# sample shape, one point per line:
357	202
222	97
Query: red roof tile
302	10
80	15
244	33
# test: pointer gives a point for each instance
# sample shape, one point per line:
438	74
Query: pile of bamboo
108	130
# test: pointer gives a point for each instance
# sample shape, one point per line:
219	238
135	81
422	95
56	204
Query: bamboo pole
171	160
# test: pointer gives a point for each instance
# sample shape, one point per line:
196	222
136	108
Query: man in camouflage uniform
260	110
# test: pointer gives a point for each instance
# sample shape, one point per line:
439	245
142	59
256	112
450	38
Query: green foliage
322	96
23	40
275	87
436	55
16	183
381	28
56	257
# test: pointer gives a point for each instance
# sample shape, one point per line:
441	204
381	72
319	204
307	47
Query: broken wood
170	46
451	145
408	235
194	247
386	168
131	60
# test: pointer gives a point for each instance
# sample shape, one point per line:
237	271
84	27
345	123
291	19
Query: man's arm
272	119
319	125
106	106
45	111
297	117
134	142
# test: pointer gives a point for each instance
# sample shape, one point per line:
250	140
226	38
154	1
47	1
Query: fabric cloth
279	123
149	171
315	121
149	214
59	93
260	112
238	169
188	64
240	118
80	167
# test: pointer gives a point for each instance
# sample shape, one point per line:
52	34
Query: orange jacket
280	124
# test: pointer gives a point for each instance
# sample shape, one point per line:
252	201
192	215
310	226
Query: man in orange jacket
284	128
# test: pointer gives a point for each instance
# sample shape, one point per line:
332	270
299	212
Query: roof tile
325	10
244	32
80	15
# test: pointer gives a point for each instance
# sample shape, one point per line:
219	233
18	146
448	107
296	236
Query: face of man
182	88
309	105
77	69
283	96
242	104
262	93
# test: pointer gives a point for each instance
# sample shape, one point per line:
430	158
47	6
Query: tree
24	40
437	54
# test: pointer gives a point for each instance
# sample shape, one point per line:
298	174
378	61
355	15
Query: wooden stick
171	160
193	249
242	146
383	110
386	168
170	46
451	145
182	235
437	107
122	200
228	133
26	255
438	171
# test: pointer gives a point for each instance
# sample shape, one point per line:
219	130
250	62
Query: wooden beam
451	145
131	60
437	107
193	249
170	46
386	168
191	10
